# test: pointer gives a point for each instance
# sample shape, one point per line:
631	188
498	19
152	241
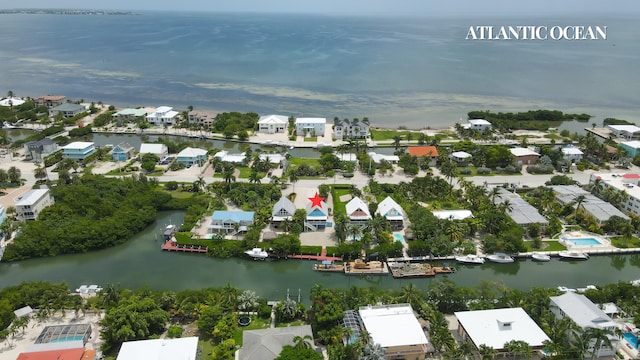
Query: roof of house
23	311
348	122
273	119
192	152
69	107
452	214
235	216
311	121
595	206
423	150
77	145
163	109
571	150
581	310
520	151
131	112
43	142
224	155
266	344
273	158
159	349
392	325
357	209
461	154
634	144
495	327
388	204
60	354
31	196
625	128
123	146
479	122
377	158
521	211
153	148
284	203
51	97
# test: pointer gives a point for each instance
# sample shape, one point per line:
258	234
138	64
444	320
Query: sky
350	7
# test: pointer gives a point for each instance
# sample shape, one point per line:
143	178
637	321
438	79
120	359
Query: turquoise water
68	338
631	339
584	241
399	237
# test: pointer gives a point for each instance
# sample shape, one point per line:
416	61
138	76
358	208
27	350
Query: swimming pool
399	237
68	338
631	339
584	241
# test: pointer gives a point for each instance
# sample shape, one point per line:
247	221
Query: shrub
540	169
175	331
483	171
465	171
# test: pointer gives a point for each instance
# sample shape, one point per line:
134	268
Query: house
391	211
76	353
192	156
452	214
68	110
160	150
586	315
32	203
358	211
461	158
377	158
571	153
601	210
160	349
230	221
271	158
78	150
477	124
126	115
524	156
317	213
266	344
396	329
201	117
224	156
520	211
496	327
122	152
350	129
631	147
272	124
625	131
282	210
38	150
164	115
629	183
310	126
428	152
50	101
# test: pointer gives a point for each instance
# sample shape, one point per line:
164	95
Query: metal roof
521	211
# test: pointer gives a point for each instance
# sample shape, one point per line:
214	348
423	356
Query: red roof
631	176
427	150
62	354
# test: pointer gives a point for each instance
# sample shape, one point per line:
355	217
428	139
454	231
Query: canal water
141	263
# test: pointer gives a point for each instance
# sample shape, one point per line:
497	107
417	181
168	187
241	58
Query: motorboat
573	255
540	257
470	259
257	254
566	289
501	258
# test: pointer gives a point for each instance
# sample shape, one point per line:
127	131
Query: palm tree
373	351
600	338
41	173
229	176
293	177
248	300
578	201
254	178
354	231
376	226
302	342
410	294
449	170
14	174
199	184
396	141
487	352
454	231
596	187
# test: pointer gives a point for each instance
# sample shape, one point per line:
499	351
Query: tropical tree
247	300
254	177
199	184
449	170
410	294
396	141
578	201
293	177
228	176
373	351
14	174
41	173
487	352
302	342
599	337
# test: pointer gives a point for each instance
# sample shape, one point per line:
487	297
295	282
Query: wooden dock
366	268
322	257
329	268
174	246
413	270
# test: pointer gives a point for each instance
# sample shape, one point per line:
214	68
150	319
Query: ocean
413	72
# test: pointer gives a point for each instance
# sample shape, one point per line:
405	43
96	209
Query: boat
88	289
573	255
566	289
501	258
540	257
169	231
470	259
257	254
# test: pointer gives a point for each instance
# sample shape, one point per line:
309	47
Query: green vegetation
614	121
530	120
235	124
550	245
311	139
388	134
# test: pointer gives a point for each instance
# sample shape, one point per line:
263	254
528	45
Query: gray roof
347	122
284	203
581	310
268	343
69	107
44	141
521	211
598	208
124	146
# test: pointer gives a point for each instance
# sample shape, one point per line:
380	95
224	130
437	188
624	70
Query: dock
174	246
329	267
322	257
417	270
360	267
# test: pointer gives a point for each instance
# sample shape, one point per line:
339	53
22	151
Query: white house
496	327
397	330
625	131
629	183
524	156
585	314
477	124
129	114
160	150
358	211
164	115
350	129
282	210
310	126
192	156
227	221
392	211
460	157
224	156
78	150
452	214
159	349
377	158
271	124
571	153
32	203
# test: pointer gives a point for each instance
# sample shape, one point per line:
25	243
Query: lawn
339	206
257	323
246	171
294	161
551	246
310	139
387	134
619	243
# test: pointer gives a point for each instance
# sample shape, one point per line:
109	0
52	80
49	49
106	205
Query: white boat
501	258
540	257
257	253
566	289
573	255
470	259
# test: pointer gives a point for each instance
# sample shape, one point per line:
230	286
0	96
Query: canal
141	263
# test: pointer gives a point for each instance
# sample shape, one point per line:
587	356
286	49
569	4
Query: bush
171	185
540	169
465	171
264	312
483	171
175	331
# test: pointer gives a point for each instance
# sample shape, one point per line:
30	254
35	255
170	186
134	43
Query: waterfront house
310	126
601	210
122	152
496	327
452	214
68	110
520	211
78	150
159	150
629	183
317	213
282	211
377	158
68	350
272	124
128	115
391	211
585	314
164	115
424	153
524	156
230	221
224	156
266	344
571	153
202	117
192	156
38	150
50	101
461	158
350	129
32	202
477	124
358	211
161	349
632	148
625	131
397	330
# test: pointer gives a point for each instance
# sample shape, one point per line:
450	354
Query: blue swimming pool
399	237
584	241
68	338
631	339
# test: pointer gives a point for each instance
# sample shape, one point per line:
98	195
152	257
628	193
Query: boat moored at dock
257	254
470	259
573	255
542	257
500	258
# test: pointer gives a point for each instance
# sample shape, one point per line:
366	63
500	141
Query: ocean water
396	71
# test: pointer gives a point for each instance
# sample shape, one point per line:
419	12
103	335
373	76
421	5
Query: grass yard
256	324
620	243
294	161
550	246
339	206
311	139
387	134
